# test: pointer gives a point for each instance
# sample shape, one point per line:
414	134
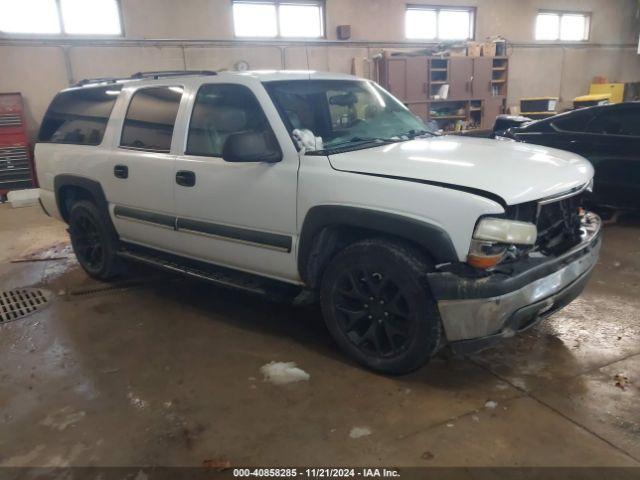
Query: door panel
460	77
482	72
491	108
142	168
239	215
416	75
397	77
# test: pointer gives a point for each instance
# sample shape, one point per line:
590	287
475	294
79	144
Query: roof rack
144	75
90	81
171	73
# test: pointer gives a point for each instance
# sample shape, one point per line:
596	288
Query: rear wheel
378	308
93	241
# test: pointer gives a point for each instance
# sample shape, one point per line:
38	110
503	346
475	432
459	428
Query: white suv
320	187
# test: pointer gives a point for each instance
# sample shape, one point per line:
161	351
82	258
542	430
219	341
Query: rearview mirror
251	147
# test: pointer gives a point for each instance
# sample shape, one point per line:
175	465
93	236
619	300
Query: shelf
498	81
448	117
499	69
438	82
439	69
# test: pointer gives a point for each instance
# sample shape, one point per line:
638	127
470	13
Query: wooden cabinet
407	78
456	92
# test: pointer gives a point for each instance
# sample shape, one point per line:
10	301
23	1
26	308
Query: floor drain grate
15	304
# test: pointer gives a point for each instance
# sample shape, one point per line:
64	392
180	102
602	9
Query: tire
378	308
94	241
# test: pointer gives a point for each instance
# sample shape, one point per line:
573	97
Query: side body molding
321	220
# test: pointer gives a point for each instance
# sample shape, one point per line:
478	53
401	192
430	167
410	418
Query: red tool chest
16	163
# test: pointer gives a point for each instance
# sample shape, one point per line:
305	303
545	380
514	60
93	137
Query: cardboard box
474	49
458	52
489	49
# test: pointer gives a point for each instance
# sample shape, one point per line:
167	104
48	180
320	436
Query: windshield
329	115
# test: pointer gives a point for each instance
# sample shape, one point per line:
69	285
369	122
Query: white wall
198	34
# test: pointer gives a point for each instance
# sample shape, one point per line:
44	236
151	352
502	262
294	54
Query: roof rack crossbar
171	73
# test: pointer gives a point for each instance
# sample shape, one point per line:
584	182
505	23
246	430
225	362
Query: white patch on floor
491	404
281	373
63	418
357	432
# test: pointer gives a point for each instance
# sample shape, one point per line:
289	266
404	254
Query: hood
515	172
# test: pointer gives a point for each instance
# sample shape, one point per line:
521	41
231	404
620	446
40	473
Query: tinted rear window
79	116
150	119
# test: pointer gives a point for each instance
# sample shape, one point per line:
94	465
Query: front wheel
378	308
93	241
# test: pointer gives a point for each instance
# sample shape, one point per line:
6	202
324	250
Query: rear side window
617	122
573	122
150	119
79	116
222	110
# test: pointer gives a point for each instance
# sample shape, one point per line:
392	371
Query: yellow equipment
591	100
616	90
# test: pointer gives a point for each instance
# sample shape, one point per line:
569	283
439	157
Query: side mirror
251	147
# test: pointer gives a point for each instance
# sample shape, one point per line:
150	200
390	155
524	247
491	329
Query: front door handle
121	171
185	178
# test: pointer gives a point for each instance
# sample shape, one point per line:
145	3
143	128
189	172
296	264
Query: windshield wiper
359	140
417	133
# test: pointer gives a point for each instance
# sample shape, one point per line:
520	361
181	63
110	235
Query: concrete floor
162	371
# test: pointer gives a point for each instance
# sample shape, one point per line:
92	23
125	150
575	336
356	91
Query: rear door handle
121	171
185	178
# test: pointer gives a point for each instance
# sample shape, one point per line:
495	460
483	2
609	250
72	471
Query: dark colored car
608	136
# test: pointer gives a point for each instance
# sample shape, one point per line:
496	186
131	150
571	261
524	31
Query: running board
221	276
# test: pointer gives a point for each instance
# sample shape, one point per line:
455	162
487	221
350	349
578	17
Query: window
344	114
567	27
431	23
278	18
79	116
56	17
615	121
221	111
575	121
150	119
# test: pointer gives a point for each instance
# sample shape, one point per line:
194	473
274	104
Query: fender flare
321	218
91	186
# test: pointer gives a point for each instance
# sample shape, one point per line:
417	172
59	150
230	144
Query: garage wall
198	34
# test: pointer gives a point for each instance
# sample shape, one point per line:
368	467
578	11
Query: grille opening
559	225
16	304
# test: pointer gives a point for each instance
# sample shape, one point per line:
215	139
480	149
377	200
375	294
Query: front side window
432	23
60	17
278	18
561	26
617	122
79	116
222	110
150	119
343	114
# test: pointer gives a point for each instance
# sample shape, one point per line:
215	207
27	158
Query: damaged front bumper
477	312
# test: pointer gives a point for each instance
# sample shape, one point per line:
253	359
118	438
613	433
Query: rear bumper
477	312
49	204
